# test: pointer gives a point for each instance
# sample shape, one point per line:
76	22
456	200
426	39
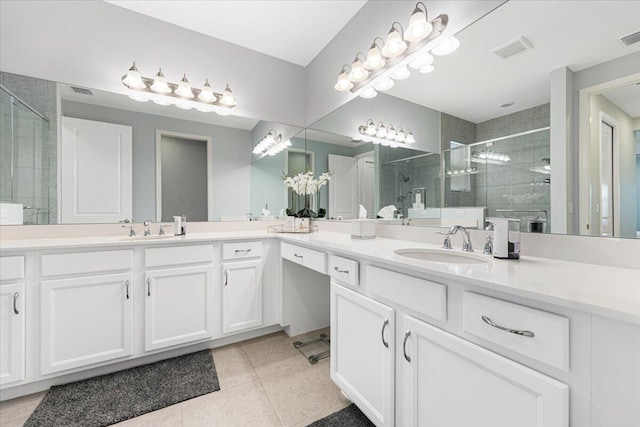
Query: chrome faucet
488	244
132	231
466	239
147	228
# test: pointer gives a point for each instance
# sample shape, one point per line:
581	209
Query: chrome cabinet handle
298	256
404	346
384	326
148	286
126	284
15	302
341	271
226	277
239	251
490	322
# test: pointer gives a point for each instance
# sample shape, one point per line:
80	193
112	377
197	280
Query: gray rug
350	416
109	399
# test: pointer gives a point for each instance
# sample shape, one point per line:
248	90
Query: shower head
404	177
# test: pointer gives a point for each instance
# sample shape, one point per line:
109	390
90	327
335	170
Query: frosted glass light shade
160	83
206	93
385	84
227	98
374	61
184	88
133	79
358	72
401	74
408	137
344	83
418	28
446	46
394	45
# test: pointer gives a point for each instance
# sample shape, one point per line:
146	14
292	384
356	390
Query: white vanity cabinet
86	314
362	352
450	382
178	296
12	320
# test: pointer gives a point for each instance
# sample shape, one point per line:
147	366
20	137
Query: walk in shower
26	178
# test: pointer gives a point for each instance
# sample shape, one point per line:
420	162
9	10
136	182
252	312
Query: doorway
183	176
607	207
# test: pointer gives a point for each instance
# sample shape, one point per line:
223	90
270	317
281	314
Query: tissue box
363	229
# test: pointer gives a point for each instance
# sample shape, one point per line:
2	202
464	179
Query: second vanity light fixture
182	94
271	144
391	59
384	135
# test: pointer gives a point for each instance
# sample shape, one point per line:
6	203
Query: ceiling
472	83
627	98
291	30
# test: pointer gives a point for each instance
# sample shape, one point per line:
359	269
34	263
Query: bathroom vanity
414	342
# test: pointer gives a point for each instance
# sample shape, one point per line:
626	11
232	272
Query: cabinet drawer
11	267
241	250
156	257
86	262
513	326
309	258
423	296
344	270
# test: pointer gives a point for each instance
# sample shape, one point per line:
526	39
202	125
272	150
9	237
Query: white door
178	306
12	333
241	296
96	172
362	352
85	320
366	184
606	179
450	382
343	187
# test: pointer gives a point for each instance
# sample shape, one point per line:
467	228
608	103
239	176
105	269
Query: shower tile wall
35	165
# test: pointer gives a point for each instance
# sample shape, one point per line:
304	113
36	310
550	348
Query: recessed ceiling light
507	104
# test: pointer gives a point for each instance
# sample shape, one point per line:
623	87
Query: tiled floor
263	382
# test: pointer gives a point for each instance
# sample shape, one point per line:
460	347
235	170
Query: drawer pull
126	284
243	251
226	277
404	346
341	271
298	256
384	326
15	302
490	322
149	286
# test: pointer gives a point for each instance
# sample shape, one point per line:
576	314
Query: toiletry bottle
177	225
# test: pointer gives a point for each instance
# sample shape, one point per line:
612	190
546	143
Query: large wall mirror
535	116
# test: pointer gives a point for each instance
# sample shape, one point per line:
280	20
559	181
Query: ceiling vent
631	39
82	91
513	48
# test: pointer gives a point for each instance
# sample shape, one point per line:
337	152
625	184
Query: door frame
209	141
584	139
604	118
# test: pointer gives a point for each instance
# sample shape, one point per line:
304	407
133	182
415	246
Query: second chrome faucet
466	238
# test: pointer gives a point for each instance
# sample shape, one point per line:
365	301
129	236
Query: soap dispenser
506	238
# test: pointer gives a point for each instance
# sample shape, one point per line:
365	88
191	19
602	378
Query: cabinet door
450	382
241	296
178	306
362	352
85	320
12	333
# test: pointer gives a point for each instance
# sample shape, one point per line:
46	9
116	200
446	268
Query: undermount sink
444	256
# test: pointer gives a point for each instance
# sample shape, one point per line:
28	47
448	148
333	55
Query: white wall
92	44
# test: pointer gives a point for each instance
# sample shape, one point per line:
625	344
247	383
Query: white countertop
608	291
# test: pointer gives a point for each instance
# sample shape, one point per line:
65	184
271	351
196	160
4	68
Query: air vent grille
631	39
513	48
82	91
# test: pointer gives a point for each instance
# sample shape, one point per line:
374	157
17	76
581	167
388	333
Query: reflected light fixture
271	144
182	95
384	135
402	49
369	93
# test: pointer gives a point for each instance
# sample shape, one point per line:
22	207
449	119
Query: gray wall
35	161
184	178
231	157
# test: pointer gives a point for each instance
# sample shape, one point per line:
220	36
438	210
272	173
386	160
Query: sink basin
444	256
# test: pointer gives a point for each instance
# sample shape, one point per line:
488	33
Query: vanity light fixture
271	144
182	95
465	171
490	157
401	50
384	135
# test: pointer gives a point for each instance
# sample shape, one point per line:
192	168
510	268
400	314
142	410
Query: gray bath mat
109	399
350	416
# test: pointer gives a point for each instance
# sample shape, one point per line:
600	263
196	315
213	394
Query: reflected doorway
183	176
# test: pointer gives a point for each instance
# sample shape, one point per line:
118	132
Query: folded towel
387	211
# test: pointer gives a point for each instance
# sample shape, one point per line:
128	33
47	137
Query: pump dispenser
506	238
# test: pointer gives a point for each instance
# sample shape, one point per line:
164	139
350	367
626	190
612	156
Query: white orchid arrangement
305	184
